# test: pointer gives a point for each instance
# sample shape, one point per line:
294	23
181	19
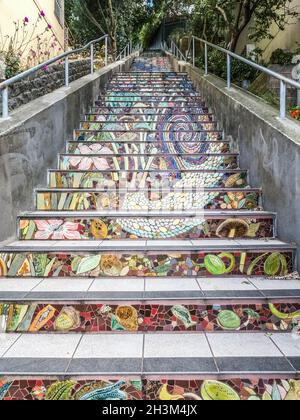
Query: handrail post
282	99
5	109
92	58
228	71
67	71
194	52
206	59
106	50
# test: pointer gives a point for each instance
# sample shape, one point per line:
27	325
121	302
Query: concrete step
181	126
95	225
128	144
159	161
207	356
151	199
148	135
143	179
165	258
214	292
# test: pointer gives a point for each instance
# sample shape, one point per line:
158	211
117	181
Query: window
59	11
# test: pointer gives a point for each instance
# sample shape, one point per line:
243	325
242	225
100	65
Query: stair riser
155	162
146	318
163	136
129	180
141	264
159	389
151	201
202	227
144	88
131	118
147	109
142	148
152	103
149	97
151	126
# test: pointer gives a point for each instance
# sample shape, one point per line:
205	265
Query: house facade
35	29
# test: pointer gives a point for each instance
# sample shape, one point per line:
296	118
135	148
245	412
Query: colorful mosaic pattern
146	136
134	180
179	317
145	148
147	109
88	161
152	264
141	118
84	390
149	200
147	125
199	227
234	389
155	390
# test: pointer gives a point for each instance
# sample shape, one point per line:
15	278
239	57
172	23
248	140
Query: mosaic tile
146	136
150	317
146	148
141	179
40	389
148	228
154	264
233	389
164	389
94	161
149	200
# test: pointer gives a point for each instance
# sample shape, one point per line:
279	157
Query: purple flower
46	68
49	26
26	20
42	13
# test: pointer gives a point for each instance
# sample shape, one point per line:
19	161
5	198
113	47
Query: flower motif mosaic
145	228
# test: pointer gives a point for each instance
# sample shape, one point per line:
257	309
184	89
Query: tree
228	19
120	19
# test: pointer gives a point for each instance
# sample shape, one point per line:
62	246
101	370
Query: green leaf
89	264
272	264
16	265
30	231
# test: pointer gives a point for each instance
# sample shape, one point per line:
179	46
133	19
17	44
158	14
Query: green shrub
282	57
217	65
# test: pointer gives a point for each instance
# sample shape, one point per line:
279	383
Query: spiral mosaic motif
177	134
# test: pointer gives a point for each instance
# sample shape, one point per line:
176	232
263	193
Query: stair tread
226	290
140	213
147	245
202	353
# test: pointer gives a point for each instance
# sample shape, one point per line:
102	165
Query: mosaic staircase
149	269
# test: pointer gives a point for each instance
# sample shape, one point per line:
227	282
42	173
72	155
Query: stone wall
33	136
269	147
45	81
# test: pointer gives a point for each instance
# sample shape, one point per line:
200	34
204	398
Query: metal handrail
128	50
284	81
176	51
6	83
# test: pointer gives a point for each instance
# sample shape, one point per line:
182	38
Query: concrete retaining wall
269	147
33	136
